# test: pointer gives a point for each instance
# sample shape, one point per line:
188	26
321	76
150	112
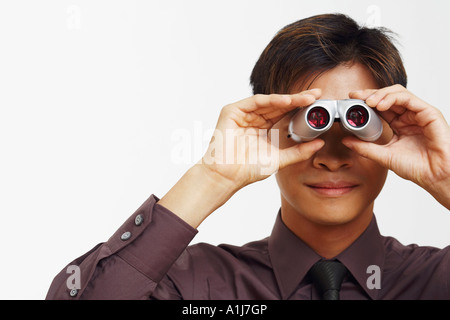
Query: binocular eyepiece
354	115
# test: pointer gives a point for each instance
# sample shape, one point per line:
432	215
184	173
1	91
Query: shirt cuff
152	239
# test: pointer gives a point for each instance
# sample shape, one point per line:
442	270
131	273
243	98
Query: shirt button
125	236
139	219
73	292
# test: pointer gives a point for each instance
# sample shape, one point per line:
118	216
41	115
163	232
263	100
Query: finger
264	104
271	108
362	94
397	99
263	111
397	102
297	99
369	150
397	117
380	94
299	152
379	98
254	120
261	103
411	109
388	115
301	99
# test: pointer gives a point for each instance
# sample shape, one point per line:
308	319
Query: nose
334	155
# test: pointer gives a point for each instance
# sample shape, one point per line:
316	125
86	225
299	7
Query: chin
332	218
333	214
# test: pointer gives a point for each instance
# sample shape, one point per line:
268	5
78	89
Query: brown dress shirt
149	257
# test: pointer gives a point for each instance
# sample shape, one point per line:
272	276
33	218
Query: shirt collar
292	258
360	257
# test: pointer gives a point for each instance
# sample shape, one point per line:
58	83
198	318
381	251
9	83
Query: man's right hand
242	150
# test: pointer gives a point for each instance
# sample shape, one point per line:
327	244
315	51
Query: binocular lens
318	118
357	116
353	115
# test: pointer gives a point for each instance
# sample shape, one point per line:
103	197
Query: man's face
335	186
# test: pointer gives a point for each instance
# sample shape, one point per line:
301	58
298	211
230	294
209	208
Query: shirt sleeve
132	262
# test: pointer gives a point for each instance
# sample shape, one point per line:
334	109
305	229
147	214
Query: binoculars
354	115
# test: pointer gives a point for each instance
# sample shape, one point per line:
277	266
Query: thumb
299	152
369	150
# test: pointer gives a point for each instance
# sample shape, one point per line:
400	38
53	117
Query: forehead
338	82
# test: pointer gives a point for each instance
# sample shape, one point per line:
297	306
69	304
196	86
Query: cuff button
73	292
139	219
125	236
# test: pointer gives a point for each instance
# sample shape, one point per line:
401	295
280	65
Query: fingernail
356	92
369	100
347	143
316	90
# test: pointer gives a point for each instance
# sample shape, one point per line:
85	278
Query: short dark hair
306	48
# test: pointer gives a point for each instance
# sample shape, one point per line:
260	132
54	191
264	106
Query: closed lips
332	188
332	185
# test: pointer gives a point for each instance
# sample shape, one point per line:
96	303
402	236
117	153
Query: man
328	187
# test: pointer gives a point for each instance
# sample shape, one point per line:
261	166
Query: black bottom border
224	309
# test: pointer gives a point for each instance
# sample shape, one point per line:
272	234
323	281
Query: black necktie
327	276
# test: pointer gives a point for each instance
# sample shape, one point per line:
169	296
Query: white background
94	93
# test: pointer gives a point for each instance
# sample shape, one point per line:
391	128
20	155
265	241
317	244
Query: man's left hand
420	148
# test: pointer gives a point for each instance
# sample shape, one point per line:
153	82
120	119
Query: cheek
288	180
375	175
284	178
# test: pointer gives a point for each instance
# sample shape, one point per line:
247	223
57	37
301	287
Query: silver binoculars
354	115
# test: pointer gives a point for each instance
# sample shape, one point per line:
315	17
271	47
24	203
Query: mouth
332	189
